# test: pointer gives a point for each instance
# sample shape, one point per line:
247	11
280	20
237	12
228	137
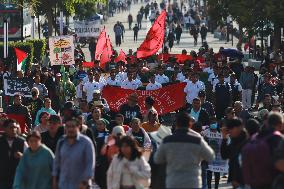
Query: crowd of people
67	135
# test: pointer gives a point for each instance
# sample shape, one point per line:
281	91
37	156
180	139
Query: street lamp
33	27
229	20
6	33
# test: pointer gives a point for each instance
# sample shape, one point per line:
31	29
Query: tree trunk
49	16
277	37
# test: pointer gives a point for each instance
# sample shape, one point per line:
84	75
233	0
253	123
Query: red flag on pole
100	45
106	54
88	64
21	59
121	57
154	39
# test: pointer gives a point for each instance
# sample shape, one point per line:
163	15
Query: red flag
100	45
121	57
181	58
170	97
88	64
107	52
154	39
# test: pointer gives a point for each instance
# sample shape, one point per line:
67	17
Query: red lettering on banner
168	98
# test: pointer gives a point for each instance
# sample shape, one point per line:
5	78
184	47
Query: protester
12	147
128	169
54	132
43	122
152	124
181	171
43	92
130	21
232	151
34	104
199	115
47	108
74	159
37	161
247	82
135	30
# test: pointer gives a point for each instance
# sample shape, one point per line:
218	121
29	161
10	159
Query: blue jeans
204	167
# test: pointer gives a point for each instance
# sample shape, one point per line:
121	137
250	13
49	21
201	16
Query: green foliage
12	59
40	46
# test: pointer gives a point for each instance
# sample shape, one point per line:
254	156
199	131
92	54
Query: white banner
61	50
214	140
87	28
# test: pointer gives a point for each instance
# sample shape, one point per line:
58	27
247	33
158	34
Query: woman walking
128	169
34	169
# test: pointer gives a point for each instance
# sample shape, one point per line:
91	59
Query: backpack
257	162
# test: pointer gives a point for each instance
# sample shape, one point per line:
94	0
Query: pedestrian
135	30
183	172
178	32
199	114
222	98
153	84
128	169
43	92
12	147
247	83
54	132
92	48
47	108
89	87
123	30
206	105
203	33
74	161
232	151
171	39
130	20
193	87
194	32
139	18
37	161
118	33
43	122
236	88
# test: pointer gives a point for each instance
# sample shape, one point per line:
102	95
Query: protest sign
61	50
21	86
168	98
87	28
214	140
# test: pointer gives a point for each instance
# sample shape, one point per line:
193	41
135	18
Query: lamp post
6	37
61	23
229	18
33	27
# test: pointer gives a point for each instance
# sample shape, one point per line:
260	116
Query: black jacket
8	162
231	152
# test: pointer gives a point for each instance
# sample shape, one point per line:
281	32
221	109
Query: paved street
185	43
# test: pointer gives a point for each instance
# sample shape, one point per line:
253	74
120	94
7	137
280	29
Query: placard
87	28
61	50
21	86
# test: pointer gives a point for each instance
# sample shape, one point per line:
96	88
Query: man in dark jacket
135	30
11	150
20	113
131	109
238	136
200	115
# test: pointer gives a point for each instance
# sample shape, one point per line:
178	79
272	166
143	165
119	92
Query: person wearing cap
193	87
131	109
21	113
34	104
234	129
160	77
129	83
183	172
102	102
54	132
35	167
89	87
12	147
222	92
58	96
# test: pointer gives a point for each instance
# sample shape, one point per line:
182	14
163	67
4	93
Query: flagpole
6	38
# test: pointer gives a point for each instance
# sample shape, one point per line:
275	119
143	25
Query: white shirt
115	82
126	84
161	79
211	78
153	86
79	90
208	70
192	90
122	76
89	88
180	76
138	82
238	86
